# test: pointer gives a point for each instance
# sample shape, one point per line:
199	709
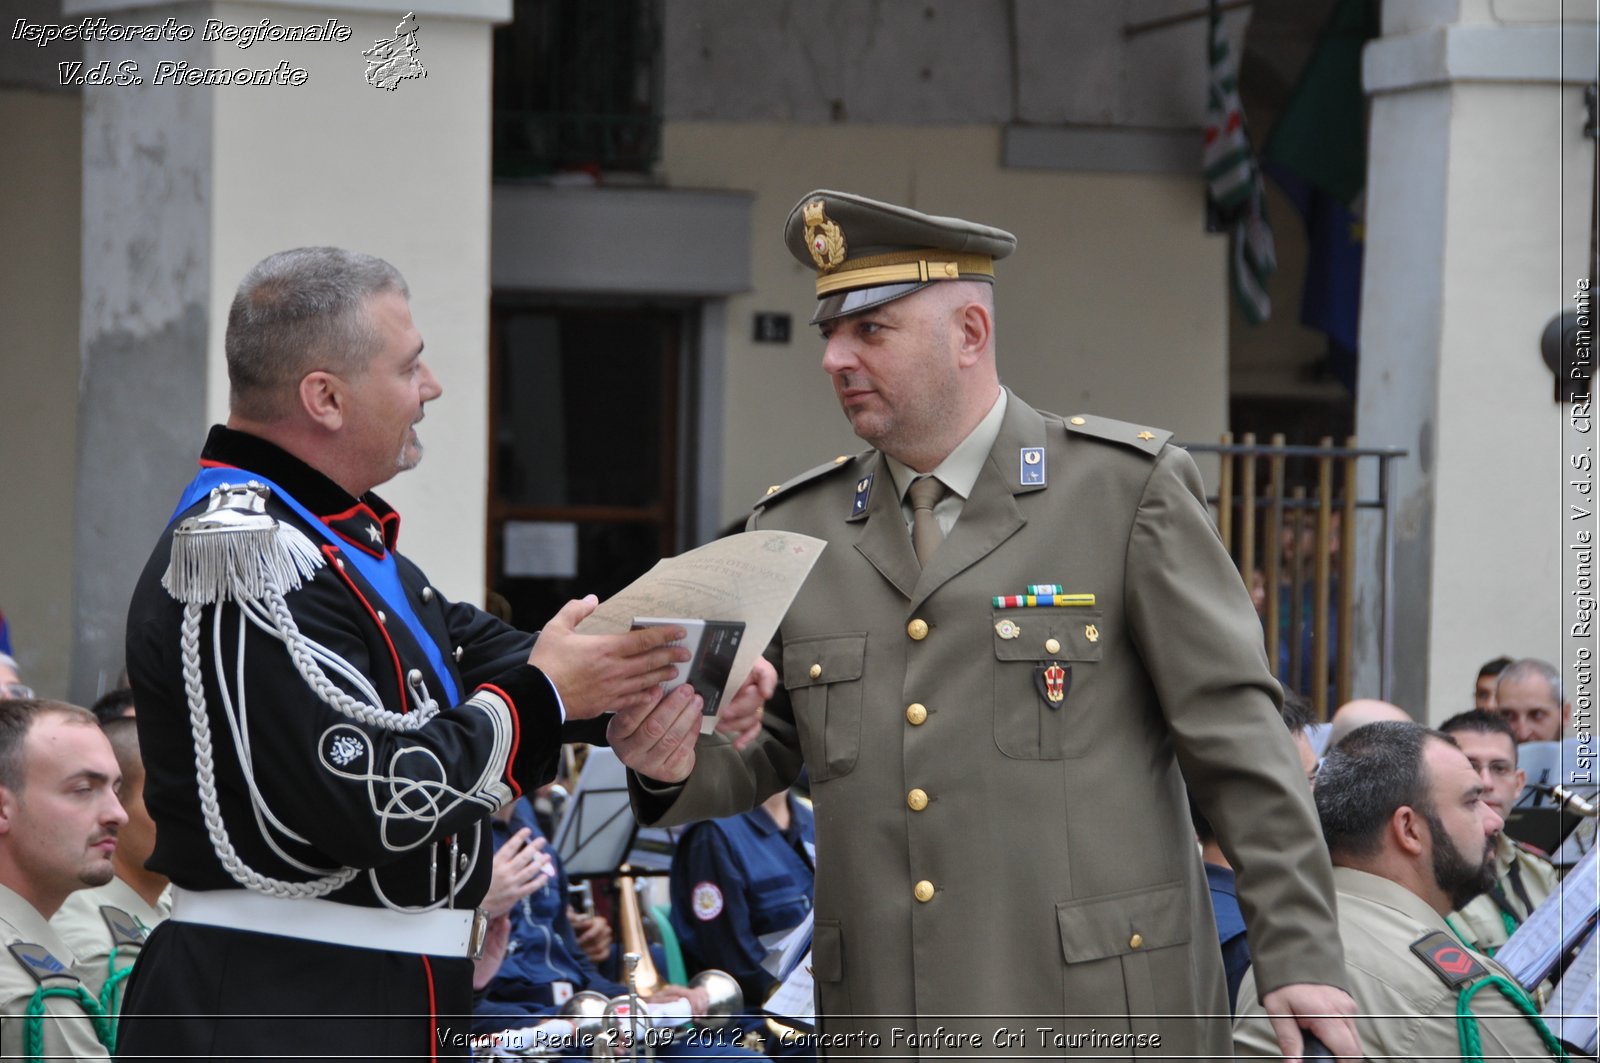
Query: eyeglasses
15	690
1499	769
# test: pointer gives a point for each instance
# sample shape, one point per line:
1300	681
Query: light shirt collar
961	467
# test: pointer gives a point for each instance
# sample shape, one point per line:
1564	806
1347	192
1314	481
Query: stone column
1477	221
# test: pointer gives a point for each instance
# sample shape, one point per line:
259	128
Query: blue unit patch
37	961
863	492
1032	474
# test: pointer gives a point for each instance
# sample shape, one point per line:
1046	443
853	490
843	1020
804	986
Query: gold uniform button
916	713
815	672
773	489
1052	646
1079	421
917	629
841	459
1135	941
917	800
923	891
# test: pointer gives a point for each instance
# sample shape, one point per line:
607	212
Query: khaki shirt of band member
68	1033
1404	1009
83	927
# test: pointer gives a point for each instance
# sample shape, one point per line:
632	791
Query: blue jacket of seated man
543	952
735	880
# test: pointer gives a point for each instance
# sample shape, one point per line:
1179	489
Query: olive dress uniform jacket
36	958
1405	1008
983	851
385	802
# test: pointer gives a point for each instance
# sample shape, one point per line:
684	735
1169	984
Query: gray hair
299	311
1373	771
1527	668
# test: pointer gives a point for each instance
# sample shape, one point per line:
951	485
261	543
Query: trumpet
580	1023
629	1018
630	929
613	1029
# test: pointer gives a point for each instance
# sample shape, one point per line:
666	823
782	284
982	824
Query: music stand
598	833
1569	763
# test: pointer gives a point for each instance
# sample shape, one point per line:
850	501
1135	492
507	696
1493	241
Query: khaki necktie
925	492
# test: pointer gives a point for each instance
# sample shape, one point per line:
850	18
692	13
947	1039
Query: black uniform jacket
385	815
337	792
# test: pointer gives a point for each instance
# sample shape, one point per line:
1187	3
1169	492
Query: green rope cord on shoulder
111	992
33	1022
1467	1023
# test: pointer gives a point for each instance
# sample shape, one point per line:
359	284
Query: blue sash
382	573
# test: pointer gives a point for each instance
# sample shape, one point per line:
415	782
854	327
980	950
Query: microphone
1567	799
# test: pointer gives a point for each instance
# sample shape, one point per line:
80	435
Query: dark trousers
211	993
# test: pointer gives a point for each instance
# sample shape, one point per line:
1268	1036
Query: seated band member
105	926
59	818
545	967
738	884
1523	877
1411	838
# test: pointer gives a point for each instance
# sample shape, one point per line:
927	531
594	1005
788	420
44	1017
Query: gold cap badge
823	237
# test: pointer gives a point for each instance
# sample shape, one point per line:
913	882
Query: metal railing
1302	503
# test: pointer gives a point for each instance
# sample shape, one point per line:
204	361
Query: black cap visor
842	304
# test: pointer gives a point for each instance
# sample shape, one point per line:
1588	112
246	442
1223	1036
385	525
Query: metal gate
1287	514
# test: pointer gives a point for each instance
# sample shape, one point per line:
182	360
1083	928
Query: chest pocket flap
823	659
823	676
1075	631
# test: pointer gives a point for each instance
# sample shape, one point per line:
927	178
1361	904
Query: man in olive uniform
1411	838
1003	843
1523	877
105	926
59	818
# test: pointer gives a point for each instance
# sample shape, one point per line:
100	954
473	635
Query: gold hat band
902	267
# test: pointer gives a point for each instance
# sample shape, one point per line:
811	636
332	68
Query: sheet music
1579	842
789	949
1574	1007
1555	926
1569	763
794	1001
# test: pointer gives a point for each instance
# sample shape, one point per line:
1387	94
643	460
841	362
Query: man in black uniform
320	726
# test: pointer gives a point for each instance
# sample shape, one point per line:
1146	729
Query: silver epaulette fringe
236	550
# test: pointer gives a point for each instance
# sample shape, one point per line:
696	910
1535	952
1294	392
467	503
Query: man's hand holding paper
659	742
604	672
749	578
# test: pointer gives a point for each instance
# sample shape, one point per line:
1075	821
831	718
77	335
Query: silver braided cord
237	552
288	632
206	779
